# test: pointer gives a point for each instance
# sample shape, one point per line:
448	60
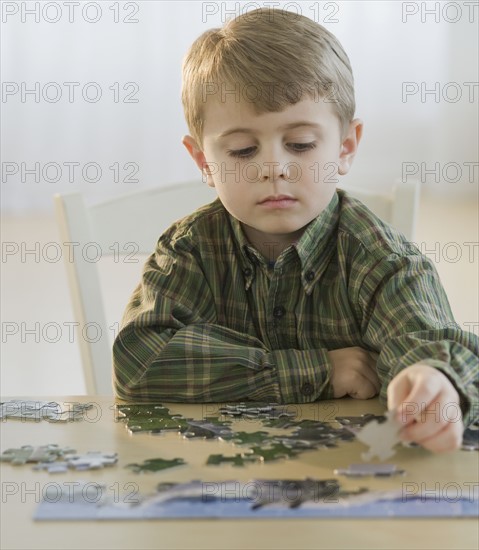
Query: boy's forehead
224	118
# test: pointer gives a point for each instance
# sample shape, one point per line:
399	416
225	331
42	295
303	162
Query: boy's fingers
398	390
365	390
423	391
446	438
422	429
371	375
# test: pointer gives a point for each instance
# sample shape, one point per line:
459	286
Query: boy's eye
241	153
249	151
302	147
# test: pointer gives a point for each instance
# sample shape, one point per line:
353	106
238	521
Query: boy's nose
273	171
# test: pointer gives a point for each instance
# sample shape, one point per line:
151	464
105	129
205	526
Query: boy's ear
199	157
349	146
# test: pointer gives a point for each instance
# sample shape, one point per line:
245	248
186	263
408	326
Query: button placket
278	312
307	389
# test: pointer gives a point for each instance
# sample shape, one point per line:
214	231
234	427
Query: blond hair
269	58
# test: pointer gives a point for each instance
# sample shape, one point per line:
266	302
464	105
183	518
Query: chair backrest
132	223
398	206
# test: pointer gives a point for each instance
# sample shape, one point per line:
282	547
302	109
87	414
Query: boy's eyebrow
289	126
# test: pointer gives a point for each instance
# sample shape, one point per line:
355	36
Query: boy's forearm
210	363
407	318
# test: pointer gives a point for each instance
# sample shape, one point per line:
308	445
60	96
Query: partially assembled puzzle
380	433
256	498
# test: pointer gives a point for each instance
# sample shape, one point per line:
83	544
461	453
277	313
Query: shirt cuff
468	395
303	375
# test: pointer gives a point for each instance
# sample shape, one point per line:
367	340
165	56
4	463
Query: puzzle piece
29	410
155	465
253	410
365	470
280	423
151	419
299	445
320	431
92	460
293	492
58	467
171	491
359	421
236	499
380	437
141	410
313	434
312	425
42	410
237	460
312	430
273	452
217	420
251	438
209	430
76	411
28	453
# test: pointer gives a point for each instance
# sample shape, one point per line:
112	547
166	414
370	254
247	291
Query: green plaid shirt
212	322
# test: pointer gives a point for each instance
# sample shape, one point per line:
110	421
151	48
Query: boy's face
296	153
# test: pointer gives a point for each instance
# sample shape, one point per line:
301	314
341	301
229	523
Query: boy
285	289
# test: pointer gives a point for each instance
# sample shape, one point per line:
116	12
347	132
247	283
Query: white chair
397	207
137	220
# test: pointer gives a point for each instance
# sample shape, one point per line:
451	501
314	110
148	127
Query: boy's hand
354	373
428	406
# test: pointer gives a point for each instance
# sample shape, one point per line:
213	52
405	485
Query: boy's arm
171	346
406	316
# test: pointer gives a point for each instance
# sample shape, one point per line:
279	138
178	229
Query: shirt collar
313	248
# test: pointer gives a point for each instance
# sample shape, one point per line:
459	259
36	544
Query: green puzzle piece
28	453
150	418
277	422
156	425
251	438
277	450
236	460
142	410
155	465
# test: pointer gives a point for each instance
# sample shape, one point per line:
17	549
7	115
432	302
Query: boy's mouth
278	201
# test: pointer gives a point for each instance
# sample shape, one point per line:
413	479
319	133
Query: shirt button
247	272
310	275
279	311
307	389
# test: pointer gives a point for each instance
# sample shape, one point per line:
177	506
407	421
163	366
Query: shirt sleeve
171	347
406	317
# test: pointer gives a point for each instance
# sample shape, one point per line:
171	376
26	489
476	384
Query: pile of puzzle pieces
43	410
380	433
46	457
259	446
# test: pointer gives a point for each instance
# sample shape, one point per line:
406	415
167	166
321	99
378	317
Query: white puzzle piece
380	437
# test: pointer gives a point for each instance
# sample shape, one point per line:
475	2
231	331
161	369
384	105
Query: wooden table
22	487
